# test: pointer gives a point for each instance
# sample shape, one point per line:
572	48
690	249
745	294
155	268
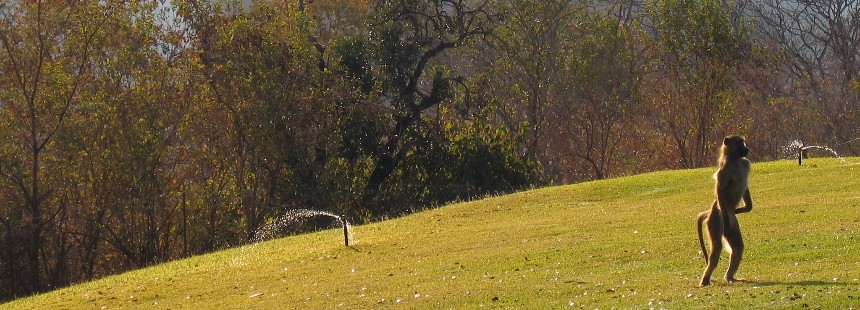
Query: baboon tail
701	218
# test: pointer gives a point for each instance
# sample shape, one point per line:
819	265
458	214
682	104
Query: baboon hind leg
715	234
736	244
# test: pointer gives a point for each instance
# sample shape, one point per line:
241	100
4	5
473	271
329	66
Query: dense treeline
136	132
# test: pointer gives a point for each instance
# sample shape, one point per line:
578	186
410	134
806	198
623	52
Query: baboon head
734	147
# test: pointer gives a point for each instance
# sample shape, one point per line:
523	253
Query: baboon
732	186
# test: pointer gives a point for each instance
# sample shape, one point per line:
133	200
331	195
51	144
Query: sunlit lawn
621	243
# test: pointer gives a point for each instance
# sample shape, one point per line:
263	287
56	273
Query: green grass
621	243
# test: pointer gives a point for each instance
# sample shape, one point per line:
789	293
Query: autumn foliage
135	132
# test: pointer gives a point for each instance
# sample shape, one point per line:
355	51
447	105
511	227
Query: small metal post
800	156
345	230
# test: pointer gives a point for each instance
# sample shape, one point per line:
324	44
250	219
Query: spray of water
797	149
277	226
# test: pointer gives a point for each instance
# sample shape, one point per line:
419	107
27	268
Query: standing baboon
732	186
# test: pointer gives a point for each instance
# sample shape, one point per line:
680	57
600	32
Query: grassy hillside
621	243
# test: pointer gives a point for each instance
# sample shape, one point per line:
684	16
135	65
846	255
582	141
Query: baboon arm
747	203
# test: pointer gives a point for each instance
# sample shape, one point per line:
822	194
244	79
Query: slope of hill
624	243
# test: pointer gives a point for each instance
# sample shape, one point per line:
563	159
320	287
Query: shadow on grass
796	283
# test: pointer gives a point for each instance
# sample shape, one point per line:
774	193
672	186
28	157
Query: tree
533	42
598	97
45	57
126	145
566	75
399	56
261	72
821	43
698	51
